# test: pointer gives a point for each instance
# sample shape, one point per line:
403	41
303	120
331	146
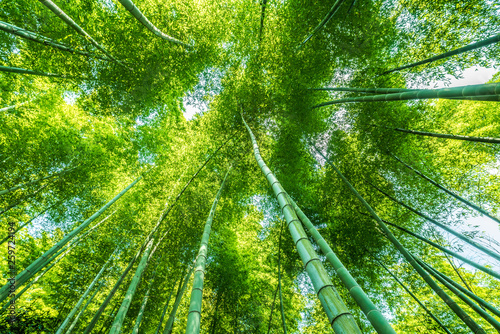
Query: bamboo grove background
334	159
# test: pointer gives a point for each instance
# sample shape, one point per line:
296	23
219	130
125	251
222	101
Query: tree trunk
371	312
170	322
440	292
339	316
420	94
135	330
129	5
194	315
473	46
279	283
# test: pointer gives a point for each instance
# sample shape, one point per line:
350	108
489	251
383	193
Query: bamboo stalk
56	10
440	292
444	227
279	283
137	324
372	313
43	40
180	292
339	316
73	324
413	296
194	315
473	46
26	71
420	94
449	192
450	136
129	5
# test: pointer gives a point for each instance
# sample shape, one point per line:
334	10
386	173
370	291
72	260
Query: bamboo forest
237	166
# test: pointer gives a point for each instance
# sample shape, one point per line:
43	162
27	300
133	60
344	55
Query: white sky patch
70	97
190	110
475	75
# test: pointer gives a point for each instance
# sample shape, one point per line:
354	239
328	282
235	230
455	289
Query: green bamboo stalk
272	309
56	10
462	296
473	46
164	310
325	20
180	292
470	294
137	324
86	293
444	227
339	316
194	315
16	105
27	273
25	71
122	312
449	192
43	40
449	136
129	5
373	314
262	16
420	94
73	324
97	315
413	296
366	90
22	199
279	283
446	250
440	292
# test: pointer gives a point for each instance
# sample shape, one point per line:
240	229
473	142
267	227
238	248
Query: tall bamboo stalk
43	40
495	323
22	199
446	250
26	71
165	308
129	5
16	105
450	136
180	292
279	283
339	316
444	227
420	94
325	20
62	15
413	296
272	309
473	46
194	315
470	294
73	324
449	192
372	313
365	90
27	273
440	292
137	324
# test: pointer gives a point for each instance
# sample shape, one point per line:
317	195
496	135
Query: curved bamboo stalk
62	15
129	5
495	323
272	309
421	94
325	20
449	192
27	273
406	254
180	292
43	40
446	250
366	90
339	316
25	71
473	46
444	227
371	312
73	324
194	315
413	296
